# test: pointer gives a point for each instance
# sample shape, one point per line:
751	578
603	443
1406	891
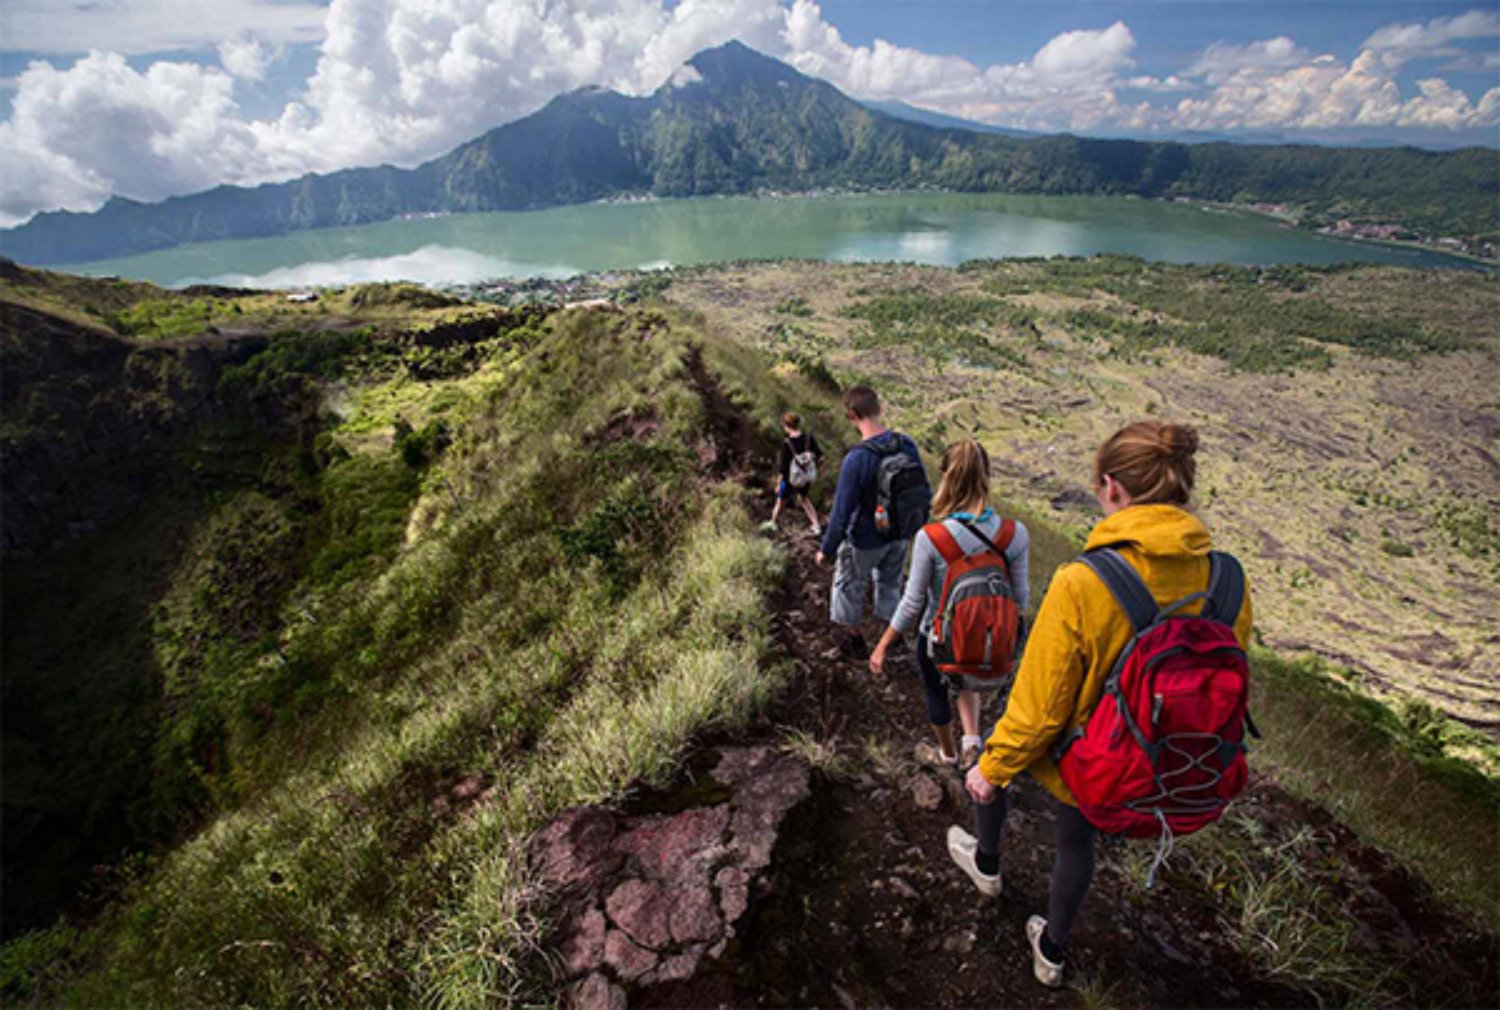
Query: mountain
735	121
392	650
912	114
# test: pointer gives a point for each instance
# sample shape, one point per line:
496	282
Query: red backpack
1164	751
977	620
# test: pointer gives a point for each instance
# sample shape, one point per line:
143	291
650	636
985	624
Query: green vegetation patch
162	318
1258	319
573	604
958	327
1390	774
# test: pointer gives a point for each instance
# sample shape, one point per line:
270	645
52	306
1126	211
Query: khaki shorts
883	565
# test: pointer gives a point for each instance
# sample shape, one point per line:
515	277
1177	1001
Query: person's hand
820	559
877	661
980	789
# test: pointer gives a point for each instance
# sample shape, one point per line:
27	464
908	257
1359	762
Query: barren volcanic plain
1349	420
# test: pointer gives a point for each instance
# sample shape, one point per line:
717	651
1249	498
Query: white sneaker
817	530
927	754
963	847
768	527
1047	973
973	747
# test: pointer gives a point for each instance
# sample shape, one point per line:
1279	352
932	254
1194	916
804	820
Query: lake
935	228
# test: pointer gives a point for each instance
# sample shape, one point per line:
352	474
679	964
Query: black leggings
1072	866
934	686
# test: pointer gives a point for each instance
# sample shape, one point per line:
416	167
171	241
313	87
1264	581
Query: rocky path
843	894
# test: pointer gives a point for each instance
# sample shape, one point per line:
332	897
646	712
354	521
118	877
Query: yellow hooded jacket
1079	631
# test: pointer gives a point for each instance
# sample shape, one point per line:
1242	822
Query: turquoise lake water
937	228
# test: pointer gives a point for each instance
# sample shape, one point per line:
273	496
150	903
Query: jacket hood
1152	529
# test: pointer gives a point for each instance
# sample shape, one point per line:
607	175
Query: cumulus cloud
245	58
401	81
1274	83
1401	43
1222	62
1067	84
77	136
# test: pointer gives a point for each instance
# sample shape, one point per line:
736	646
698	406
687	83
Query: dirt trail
868	910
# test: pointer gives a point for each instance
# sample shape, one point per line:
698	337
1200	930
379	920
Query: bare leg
776	512
812	513
947	746
968	712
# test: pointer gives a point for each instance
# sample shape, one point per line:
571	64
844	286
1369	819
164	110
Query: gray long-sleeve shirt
924	581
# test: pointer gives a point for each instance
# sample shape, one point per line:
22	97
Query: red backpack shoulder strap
1005	536
943	540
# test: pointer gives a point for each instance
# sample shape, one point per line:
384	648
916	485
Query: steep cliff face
95	423
111	450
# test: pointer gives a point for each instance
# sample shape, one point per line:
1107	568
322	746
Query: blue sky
1170	32
148	98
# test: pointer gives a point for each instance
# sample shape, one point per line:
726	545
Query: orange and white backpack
977	624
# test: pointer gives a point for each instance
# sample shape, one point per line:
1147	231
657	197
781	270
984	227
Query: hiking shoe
963	847
927	754
768	527
1049	973
969	756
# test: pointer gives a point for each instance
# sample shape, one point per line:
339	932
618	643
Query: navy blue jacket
853	514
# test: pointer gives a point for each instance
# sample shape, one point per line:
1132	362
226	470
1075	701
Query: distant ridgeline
746	122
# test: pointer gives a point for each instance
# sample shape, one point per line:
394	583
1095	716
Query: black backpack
902	495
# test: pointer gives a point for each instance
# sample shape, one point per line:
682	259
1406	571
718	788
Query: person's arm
845	501
1018	556
1046	687
913	601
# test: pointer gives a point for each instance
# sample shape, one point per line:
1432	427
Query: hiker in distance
967	590
881	501
1182	757
800	456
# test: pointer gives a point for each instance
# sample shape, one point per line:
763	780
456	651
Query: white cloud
1223	62
401	81
1067	84
246	59
1274	83
134	27
77	136
1401	43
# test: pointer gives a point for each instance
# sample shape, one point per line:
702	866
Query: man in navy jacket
861	553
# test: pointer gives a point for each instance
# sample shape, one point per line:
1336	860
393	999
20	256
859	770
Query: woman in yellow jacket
1143	475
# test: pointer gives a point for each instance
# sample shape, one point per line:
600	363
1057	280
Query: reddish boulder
677	848
642	908
627	957
597	993
585	948
695	917
734	892
574	851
